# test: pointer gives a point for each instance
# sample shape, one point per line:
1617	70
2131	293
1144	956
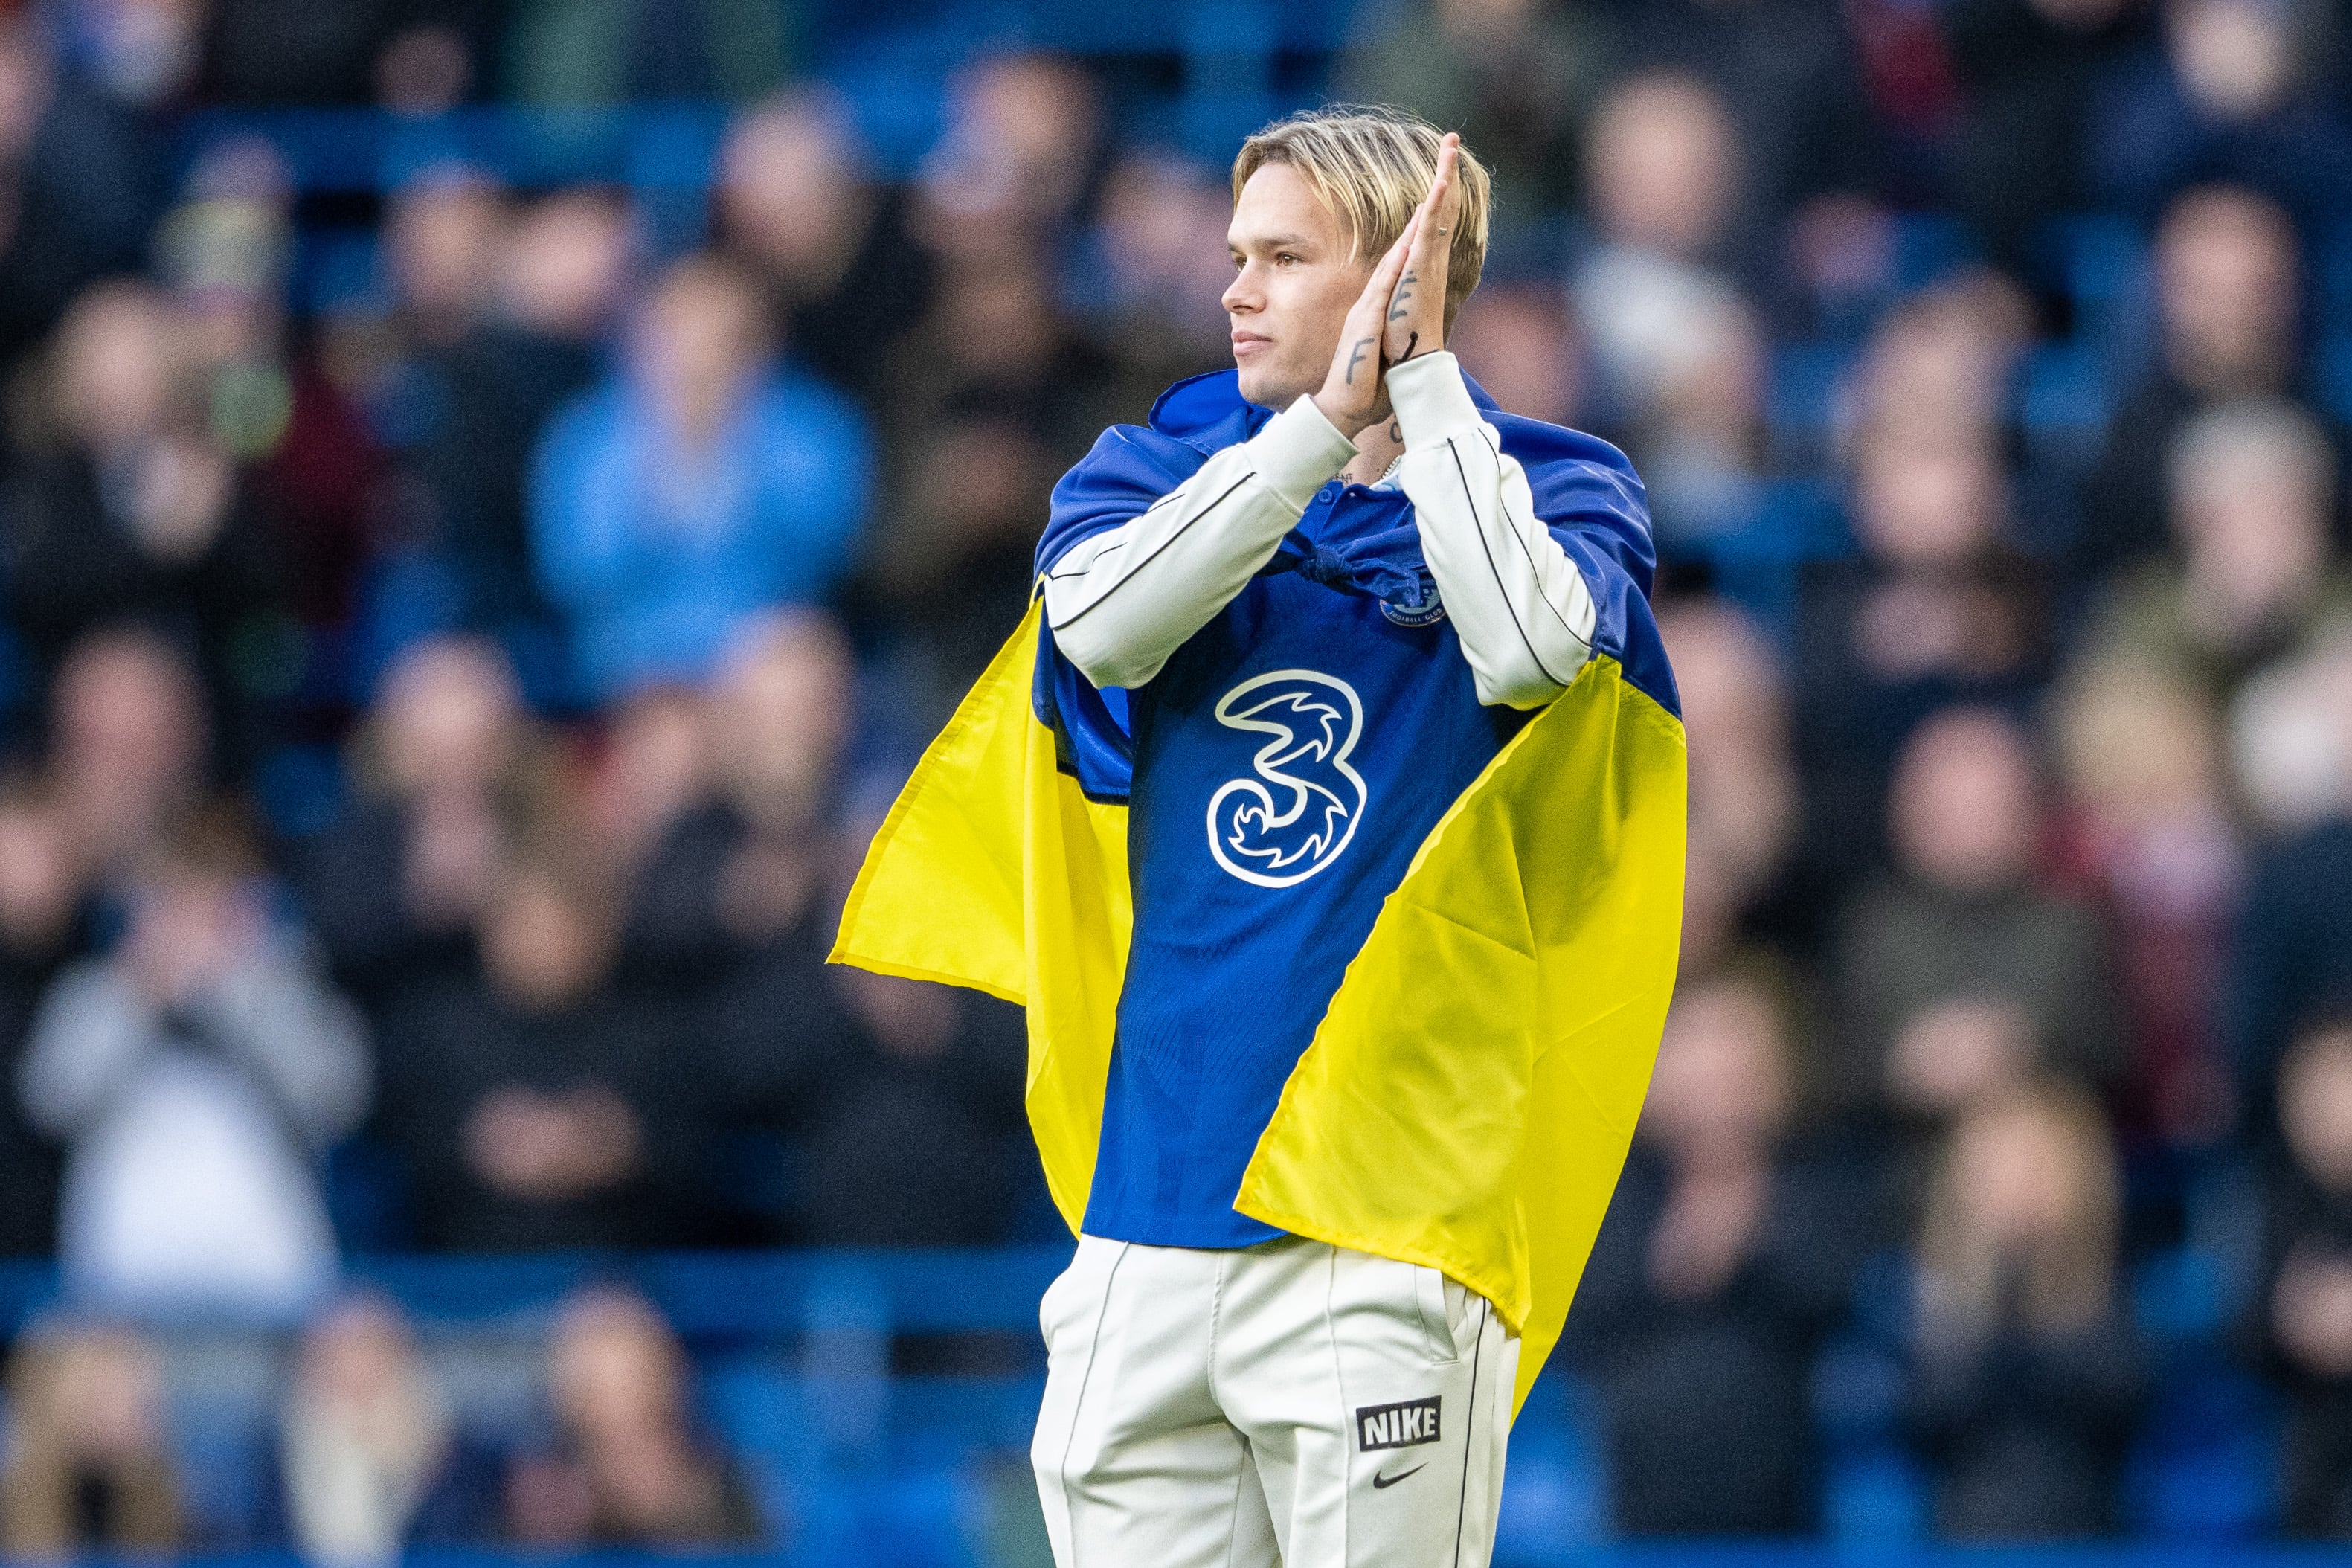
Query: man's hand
1352	396
1414	323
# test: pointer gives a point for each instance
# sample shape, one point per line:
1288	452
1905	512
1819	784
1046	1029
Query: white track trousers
1291	1404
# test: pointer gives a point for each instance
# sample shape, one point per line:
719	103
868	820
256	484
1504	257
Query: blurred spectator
134	512
2149	836
537	1106
2229	95
994	348
1744	800
2252	486
2291	957
2305	1308
127	750
648	790
796	204
197	1074
734	849
442	237
371	1455
445	53
994	394
628	1469
1788	76
1521	342
417	54
1937	371
1701	447
1940	609
2228	291
703	487
2290	736
77	184
495	381
784	722
141	54
40	894
88	1469
581	54
953	572
312	462
1163	266
226	251
908	1126
1676	346
1513	76
2026	1376
1958	976
734	861
448	771
1007	175
1663	171
2029	72
1724	1259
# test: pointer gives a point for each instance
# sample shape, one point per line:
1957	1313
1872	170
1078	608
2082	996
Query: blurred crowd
456	638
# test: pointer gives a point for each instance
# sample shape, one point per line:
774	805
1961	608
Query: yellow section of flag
1467	1101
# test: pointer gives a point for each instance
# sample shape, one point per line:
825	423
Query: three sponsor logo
1297	807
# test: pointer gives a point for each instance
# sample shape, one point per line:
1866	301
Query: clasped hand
1401	314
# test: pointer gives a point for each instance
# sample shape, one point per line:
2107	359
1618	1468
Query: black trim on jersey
1130	574
1529	551
1496	571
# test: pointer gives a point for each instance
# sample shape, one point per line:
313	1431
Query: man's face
1295	279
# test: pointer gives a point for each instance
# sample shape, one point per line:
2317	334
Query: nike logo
1380	1483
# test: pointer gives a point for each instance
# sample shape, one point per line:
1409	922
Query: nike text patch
1396	1426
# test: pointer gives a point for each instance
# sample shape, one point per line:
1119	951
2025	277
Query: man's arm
1121	601
1522	609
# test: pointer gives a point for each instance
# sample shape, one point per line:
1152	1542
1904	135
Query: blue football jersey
1288	760
1281	770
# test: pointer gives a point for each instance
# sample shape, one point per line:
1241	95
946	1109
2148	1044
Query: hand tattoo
1356	357
1397	311
1396	431
1409	339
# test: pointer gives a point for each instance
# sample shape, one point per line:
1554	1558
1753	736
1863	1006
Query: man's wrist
1431	399
1300	449
1348	422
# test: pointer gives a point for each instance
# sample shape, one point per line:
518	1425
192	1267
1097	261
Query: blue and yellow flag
1469	1095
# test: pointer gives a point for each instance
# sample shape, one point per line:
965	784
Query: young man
1332	836
1294	737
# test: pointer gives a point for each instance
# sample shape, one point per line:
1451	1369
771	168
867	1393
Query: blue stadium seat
1555	1494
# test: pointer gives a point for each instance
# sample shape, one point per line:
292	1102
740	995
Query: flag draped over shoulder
1469	1095
993	870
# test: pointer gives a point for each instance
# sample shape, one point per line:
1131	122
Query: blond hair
1371	165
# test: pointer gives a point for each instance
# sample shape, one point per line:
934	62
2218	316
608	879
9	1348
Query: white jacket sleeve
1123	601
278	1018
94	1035
1524	613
